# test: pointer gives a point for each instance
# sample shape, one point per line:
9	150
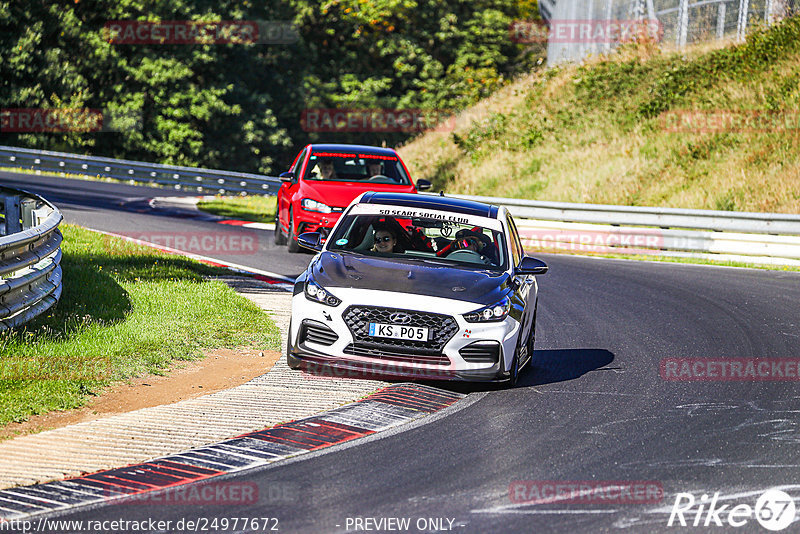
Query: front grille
315	332
481	352
441	328
383	353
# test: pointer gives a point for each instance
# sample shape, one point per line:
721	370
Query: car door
525	284
287	189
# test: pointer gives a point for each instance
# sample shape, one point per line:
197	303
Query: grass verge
711	128
254	208
126	310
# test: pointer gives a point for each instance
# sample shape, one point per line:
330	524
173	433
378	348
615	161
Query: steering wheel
469	255
380	178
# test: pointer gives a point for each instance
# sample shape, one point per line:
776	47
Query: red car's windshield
355	167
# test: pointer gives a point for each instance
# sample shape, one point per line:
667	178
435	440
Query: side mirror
423	185
310	240
530	265
286	176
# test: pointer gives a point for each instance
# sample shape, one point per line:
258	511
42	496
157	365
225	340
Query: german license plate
396	331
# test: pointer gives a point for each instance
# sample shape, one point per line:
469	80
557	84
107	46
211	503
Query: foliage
238	106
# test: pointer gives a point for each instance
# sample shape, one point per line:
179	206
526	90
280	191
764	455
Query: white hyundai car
414	286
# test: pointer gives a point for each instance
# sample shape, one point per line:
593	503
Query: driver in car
472	240
374	168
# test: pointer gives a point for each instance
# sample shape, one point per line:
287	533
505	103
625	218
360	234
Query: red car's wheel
294	246
280	239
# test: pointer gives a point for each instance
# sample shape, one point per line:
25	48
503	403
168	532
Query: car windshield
422	238
356	167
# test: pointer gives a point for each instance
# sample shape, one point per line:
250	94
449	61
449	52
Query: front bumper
310	221
348	355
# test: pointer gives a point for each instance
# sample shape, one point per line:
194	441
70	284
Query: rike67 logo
774	510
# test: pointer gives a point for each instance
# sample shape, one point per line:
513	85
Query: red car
324	179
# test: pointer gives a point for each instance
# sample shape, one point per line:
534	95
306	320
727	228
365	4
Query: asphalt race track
593	408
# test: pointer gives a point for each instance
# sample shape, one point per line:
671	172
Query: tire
514	372
294	246
280	239
292	361
531	339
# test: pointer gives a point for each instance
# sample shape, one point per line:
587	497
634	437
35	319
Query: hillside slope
613	131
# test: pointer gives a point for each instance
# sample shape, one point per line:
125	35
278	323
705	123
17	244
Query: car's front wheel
291	360
294	246
513	373
280	239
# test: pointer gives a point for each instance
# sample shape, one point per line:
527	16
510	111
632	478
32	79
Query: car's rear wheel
294	246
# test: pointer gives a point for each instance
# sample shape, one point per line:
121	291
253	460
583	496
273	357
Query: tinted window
354	167
516	244
421	238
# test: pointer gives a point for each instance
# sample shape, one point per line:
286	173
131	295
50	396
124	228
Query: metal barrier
772	238
191	178
30	257
762	238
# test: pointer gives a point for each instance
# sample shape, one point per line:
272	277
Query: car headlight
313	205
316	293
496	312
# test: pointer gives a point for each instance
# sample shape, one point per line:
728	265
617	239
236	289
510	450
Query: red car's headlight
313	205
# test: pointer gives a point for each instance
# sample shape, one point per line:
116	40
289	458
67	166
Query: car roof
432	202
363	149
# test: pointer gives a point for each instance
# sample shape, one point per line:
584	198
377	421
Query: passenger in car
385	240
325	170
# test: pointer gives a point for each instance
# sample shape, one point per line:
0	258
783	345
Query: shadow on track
547	367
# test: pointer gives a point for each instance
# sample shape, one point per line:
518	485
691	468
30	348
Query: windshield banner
406	212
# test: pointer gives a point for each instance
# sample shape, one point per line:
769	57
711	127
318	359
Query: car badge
459	288
400	318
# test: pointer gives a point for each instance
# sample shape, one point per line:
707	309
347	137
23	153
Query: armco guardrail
547	226
30	257
768	238
718	221
191	178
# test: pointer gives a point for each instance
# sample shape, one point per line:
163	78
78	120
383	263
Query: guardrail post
11	208
721	7
40	214
682	32
26	208
741	28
